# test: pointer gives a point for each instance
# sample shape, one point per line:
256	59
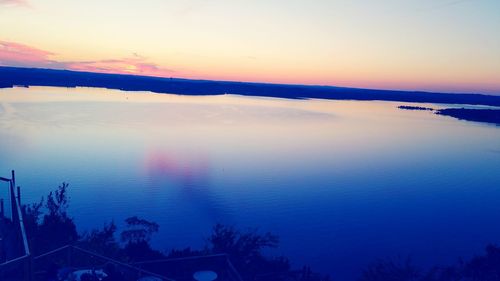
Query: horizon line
252	82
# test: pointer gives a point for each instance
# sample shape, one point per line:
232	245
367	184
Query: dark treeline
487	115
484	267
411	107
49	226
478	115
11	76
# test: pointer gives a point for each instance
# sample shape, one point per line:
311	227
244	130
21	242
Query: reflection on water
342	182
185	171
189	174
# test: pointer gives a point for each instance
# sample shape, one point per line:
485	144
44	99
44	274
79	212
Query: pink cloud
18	54
15	54
137	65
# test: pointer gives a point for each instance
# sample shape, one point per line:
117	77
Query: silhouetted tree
136	237
186	252
138	230
245	249
102	241
31	215
57	228
226	239
391	270
449	273
484	268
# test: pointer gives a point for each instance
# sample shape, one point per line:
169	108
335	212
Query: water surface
341	182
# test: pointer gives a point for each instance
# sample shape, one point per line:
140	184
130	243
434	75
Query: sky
432	45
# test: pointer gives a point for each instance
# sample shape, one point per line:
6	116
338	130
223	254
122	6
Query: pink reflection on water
183	169
189	172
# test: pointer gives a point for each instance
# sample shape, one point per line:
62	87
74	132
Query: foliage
138	230
58	202
57	228
186	252
480	268
391	270
449	273
247	245
141	251
136	236
485	267
245	249
102	241
31	215
49	226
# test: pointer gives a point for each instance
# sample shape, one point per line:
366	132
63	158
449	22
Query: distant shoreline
16	76
491	116
410	107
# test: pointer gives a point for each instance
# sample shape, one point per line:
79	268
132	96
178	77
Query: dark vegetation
410	107
49	227
14	76
485	267
478	115
491	116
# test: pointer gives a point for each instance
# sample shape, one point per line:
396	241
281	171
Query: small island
412	107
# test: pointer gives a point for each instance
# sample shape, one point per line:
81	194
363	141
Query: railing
177	269
19	260
183	268
75	258
20	264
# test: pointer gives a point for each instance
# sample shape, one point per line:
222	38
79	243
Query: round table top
205	275
78	273
149	278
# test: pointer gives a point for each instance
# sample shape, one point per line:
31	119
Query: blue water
341	182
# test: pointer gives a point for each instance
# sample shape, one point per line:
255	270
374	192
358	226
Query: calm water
341	182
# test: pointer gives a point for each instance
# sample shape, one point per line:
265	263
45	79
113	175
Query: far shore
16	76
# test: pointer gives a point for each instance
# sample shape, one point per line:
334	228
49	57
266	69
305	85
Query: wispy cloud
22	3
132	65
447	3
15	54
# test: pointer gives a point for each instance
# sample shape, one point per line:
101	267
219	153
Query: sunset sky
436	45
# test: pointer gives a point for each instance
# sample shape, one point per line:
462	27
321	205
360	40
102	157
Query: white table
205	275
77	275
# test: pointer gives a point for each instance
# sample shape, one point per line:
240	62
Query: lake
341	182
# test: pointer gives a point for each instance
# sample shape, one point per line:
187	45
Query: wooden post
13	196
19	196
28	268
13	178
13	203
